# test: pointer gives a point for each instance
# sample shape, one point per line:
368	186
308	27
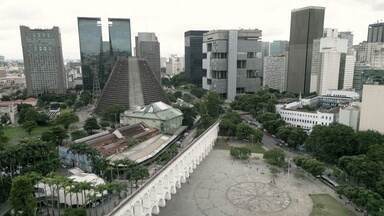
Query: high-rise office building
174	65
275	72
193	44
120	36
361	52
375	54
306	25
91	45
148	48
97	56
43	60
233	60
349	70
347	62
347	35
315	66
376	33
266	48
278	47
331	47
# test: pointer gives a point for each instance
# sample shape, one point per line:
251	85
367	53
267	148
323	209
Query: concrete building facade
174	65
376	33
349	69
193	56
275	72
43	61
372	112
331	47
148	48
350	116
306	25
233	60
278	47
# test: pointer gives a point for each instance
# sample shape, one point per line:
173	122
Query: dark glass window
241	63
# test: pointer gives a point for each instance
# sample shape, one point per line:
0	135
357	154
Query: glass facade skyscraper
90	38
98	56
120	36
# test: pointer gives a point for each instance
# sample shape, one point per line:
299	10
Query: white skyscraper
331	47
349	69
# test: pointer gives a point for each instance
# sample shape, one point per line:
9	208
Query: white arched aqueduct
155	193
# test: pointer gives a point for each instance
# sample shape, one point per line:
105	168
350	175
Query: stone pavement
224	187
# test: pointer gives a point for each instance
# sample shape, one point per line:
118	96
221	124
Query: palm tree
84	187
75	188
100	189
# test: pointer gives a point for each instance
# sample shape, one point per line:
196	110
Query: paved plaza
221	186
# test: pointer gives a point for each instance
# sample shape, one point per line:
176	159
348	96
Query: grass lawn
325	205
256	148
15	134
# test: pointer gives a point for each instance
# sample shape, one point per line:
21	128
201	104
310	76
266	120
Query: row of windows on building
306	115
304	121
40	48
41	35
223	74
224	55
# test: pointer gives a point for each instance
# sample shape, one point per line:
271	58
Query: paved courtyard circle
258	197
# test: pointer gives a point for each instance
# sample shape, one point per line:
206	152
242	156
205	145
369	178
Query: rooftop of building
31	101
308	8
89	18
195	32
111	142
378	24
158	110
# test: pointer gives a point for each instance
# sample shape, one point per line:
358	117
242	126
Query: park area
16	134
325	205
223	186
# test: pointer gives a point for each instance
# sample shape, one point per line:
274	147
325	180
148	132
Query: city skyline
170	24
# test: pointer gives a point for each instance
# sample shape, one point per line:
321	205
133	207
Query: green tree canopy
275	157
328	143
66	119
55	135
29	126
22	196
91	124
241	153
112	113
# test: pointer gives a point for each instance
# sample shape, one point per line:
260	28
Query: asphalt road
268	141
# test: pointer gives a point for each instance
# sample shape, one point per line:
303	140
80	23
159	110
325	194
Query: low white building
343	93
306	119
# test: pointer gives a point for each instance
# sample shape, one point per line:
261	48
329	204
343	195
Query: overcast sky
169	19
